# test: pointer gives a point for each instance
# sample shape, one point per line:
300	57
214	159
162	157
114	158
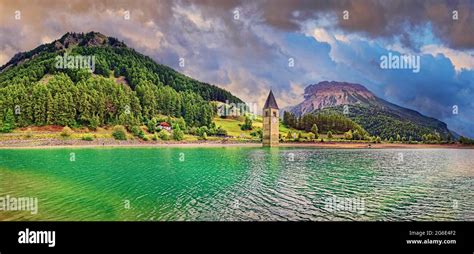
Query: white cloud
46	39
461	60
322	35
194	15
293	96
3	59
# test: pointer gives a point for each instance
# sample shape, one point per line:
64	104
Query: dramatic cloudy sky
245	46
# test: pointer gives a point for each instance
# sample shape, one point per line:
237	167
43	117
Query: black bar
378	237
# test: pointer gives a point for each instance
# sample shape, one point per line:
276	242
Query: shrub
221	132
193	131
179	121
212	131
119	132
257	133
348	135
314	129
329	134
151	125
201	130
7	124
87	137
29	133
356	135
378	140
141	134
164	135
135	130
247	124
66	132
178	133
94	122
154	137
138	132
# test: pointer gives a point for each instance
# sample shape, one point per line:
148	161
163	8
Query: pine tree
314	129
8	124
329	134
178	134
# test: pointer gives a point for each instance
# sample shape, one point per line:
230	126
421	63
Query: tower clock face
274	120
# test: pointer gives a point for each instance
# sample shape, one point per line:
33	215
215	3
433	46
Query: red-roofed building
165	126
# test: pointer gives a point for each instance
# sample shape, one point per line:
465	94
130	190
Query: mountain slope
125	88
111	54
67	41
377	116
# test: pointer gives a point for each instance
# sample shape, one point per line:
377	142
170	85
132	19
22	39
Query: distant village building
270	122
164	126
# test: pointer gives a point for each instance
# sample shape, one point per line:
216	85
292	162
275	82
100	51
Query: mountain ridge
368	110
65	42
95	43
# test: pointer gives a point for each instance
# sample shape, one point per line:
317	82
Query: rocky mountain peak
68	40
332	93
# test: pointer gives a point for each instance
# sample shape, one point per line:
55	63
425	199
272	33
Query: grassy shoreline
51	137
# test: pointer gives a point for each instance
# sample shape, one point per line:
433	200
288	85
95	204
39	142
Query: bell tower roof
271	102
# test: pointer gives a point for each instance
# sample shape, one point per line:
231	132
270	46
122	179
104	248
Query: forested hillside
325	121
125	88
388	124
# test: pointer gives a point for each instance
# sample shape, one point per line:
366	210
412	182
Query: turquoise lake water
235	183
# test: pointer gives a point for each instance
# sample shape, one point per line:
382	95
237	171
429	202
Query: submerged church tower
270	122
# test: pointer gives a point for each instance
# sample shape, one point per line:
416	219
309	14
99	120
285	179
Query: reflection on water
240	184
